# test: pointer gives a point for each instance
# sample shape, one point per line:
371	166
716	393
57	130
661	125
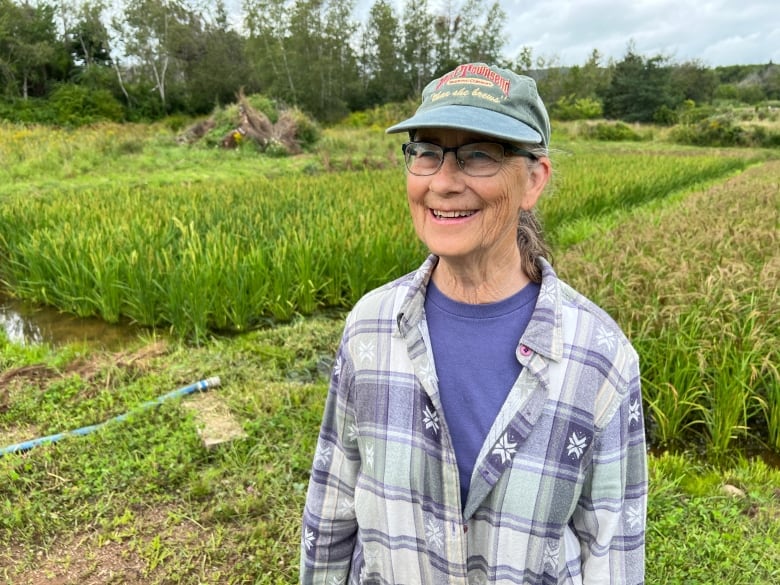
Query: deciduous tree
30	50
148	32
382	60
418	43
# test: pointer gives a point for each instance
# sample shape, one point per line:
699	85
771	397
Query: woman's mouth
441	214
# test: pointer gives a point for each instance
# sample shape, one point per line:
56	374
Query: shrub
613	132
176	122
256	122
761	136
696	114
226	119
716	131
75	105
308	131
381	116
569	108
263	103
665	116
29	111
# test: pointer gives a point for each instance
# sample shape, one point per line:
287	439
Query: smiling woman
466	213
483	417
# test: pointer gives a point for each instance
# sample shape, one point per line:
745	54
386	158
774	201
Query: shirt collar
544	334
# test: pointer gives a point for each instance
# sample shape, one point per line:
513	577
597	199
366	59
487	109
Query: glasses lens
481	159
423	158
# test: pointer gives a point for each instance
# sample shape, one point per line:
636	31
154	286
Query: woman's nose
449	177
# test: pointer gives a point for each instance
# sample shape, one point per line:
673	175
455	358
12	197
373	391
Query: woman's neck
480	282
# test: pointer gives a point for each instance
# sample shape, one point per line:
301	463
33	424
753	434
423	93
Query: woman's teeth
451	214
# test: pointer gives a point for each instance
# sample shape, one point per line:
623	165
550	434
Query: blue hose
27	445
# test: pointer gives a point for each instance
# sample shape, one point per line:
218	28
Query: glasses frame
506	149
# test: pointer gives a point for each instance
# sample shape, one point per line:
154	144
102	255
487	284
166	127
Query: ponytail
530	235
530	239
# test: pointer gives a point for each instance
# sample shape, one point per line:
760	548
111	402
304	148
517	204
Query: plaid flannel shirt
559	490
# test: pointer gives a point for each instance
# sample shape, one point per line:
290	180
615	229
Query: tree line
146	59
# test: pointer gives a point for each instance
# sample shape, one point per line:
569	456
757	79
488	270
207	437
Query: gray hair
530	235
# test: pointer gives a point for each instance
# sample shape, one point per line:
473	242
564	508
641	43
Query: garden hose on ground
27	445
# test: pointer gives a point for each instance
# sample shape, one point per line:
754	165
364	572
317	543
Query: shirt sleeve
329	525
610	517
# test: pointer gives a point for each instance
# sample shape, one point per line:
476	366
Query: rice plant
696	285
672	382
770	398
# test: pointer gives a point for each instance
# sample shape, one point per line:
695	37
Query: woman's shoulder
595	327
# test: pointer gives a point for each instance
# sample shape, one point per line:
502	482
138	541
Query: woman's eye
421	151
479	155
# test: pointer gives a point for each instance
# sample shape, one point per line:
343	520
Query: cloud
721	32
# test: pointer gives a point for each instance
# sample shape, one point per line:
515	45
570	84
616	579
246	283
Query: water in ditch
27	324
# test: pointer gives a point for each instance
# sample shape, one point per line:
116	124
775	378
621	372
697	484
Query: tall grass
209	257
223	256
673	387
592	185
696	287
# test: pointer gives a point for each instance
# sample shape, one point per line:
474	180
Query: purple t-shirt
474	351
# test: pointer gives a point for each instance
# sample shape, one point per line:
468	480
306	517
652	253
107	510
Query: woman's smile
449	216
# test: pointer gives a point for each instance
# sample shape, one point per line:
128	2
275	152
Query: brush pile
255	121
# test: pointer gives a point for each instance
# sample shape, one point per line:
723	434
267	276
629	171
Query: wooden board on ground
216	424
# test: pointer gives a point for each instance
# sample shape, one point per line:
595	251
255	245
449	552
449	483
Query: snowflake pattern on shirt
577	443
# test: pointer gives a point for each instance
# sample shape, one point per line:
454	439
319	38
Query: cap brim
472	119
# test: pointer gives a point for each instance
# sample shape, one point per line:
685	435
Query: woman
484	420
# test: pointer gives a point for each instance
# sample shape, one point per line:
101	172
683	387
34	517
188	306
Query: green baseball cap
484	99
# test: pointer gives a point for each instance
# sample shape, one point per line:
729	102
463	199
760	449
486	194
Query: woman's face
464	219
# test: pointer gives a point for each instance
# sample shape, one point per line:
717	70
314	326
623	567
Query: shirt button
465	529
525	350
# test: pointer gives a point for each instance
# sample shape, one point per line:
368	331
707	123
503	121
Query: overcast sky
720	32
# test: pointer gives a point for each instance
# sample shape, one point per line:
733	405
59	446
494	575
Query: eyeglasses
479	159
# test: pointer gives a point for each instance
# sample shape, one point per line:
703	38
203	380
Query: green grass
699	533
195	257
144	498
146	482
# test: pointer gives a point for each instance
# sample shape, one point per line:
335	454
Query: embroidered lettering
478	93
475	71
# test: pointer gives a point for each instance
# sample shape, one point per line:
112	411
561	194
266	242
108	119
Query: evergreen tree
214	62
340	80
639	89
268	25
446	25
480	36
694	81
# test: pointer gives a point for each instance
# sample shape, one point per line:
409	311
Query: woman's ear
538	175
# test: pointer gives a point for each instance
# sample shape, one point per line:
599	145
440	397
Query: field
246	265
